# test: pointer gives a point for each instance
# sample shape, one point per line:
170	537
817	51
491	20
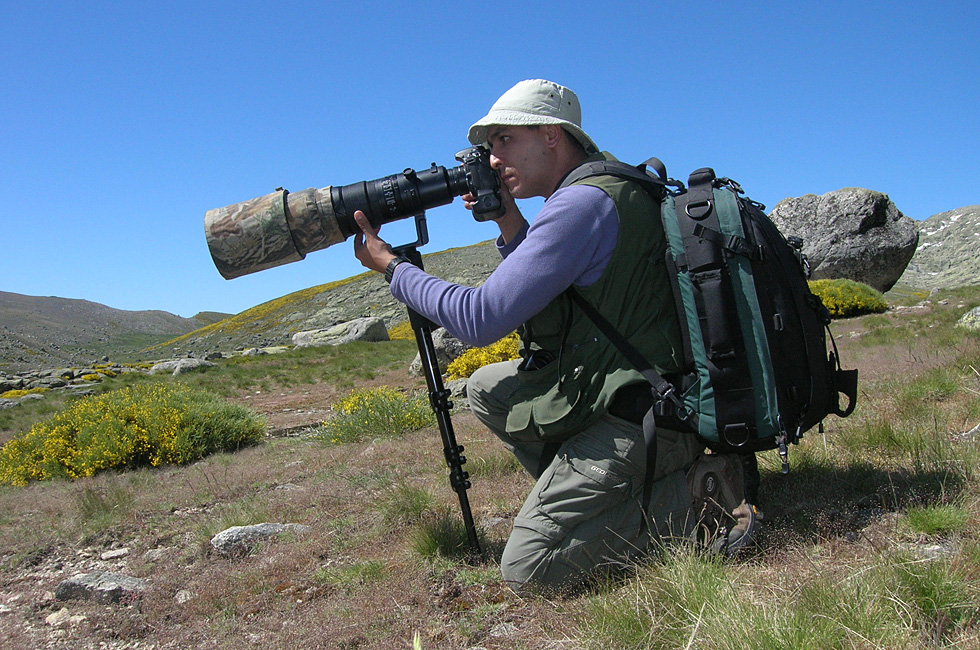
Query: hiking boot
726	522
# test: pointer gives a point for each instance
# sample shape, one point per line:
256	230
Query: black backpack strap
663	388
655	184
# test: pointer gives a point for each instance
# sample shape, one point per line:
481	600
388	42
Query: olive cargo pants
586	510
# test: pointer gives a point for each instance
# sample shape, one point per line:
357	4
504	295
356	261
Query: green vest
575	389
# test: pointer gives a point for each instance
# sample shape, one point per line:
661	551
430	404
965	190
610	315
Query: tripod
438	394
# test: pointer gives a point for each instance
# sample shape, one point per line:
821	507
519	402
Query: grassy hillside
274	322
869	542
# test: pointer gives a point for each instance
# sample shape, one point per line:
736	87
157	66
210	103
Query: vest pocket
540	404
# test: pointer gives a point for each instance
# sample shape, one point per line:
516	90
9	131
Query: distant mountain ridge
947	255
40	331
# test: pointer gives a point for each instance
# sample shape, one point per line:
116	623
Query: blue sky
122	123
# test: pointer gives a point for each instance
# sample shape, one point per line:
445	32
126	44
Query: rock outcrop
359	329
970	320
100	586
947	253
447	348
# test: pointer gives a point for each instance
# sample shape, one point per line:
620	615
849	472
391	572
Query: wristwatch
390	270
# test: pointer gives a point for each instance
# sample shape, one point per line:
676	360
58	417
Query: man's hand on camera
510	222
370	250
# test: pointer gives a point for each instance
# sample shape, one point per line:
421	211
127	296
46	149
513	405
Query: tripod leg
441	406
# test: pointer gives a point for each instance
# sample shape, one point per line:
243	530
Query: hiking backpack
757	373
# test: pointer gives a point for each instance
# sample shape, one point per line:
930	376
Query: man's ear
553	134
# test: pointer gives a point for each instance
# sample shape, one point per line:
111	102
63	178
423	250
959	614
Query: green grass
351	577
341	366
441	534
102	508
685	600
936	519
405	504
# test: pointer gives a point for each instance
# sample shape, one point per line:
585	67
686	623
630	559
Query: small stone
157	554
101	587
239	540
115	554
59	618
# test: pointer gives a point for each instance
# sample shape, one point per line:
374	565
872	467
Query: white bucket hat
534	102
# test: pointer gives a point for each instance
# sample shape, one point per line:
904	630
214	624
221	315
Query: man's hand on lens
370	250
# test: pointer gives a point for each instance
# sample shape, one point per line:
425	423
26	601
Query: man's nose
495	163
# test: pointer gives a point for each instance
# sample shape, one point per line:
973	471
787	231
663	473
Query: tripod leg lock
439	400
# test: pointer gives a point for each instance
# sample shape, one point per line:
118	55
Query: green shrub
844	298
136	426
381	412
472	360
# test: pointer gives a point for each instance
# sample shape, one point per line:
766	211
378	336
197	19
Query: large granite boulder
853	233
359	329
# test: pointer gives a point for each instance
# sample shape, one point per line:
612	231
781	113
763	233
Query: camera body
282	227
482	181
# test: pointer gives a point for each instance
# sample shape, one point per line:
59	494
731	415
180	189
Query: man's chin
515	191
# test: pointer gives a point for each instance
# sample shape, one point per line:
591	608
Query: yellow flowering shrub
137	426
473	359
844	298
381	412
20	392
402	332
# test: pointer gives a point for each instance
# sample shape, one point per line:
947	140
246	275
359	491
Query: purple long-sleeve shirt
570	242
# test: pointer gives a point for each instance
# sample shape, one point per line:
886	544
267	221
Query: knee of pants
535	560
494	376
477	388
530	559
488	391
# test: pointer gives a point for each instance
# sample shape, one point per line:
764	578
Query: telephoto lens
283	227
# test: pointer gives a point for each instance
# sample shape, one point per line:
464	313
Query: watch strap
390	270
